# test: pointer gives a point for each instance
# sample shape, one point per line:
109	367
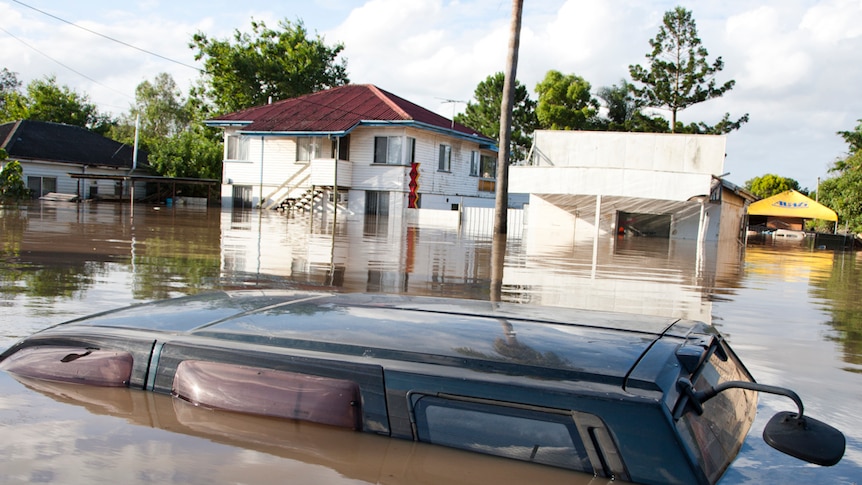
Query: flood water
793	315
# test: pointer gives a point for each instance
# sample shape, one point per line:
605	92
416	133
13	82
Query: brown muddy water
794	316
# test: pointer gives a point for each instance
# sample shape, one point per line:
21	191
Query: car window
511	432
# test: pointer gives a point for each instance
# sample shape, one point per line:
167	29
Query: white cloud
794	62
830	22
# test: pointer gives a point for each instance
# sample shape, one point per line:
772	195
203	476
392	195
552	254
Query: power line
109	38
64	65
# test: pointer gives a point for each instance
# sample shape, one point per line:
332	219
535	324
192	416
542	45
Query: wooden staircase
303	203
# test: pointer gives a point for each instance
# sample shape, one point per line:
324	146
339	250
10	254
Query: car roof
410	328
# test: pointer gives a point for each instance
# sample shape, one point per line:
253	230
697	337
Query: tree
171	130
196	152
853	138
44	100
723	127
565	103
268	64
9	84
771	184
12	186
843	191
624	111
484	114
162	110
679	74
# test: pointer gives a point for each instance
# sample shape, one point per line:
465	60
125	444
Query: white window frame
237	148
490	163
475	163
444	158
308	148
398	150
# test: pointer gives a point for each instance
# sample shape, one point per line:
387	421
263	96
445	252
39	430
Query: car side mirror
805	438
797	435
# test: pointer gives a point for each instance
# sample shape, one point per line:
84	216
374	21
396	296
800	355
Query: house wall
68	185
272	162
733	209
647	165
639	172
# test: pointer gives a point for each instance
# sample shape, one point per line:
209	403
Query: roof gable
57	142
339	110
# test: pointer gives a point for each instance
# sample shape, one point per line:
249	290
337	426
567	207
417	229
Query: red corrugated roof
338	110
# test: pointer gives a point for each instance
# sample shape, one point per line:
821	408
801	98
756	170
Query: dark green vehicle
637	398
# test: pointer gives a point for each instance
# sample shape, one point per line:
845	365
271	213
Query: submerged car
637	398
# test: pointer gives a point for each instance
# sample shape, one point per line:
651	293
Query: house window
445	158
341	147
488	167
40	186
237	147
475	161
241	196
394	150
376	203
308	148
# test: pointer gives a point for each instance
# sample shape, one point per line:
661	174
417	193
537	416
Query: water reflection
792	314
227	447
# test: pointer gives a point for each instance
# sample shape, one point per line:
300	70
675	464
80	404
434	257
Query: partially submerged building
359	147
585	184
59	158
788	210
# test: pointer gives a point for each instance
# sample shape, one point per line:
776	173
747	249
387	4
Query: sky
797	63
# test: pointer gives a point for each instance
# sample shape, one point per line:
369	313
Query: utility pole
502	186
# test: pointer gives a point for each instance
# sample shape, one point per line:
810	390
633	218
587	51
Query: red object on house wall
413	197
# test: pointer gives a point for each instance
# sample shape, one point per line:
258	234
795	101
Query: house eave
226	123
486	143
295	133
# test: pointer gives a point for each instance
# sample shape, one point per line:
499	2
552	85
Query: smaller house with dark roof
367	150
68	159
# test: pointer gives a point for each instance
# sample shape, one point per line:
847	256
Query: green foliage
484	114
624	111
171	131
162	110
621	105
278	64
723	127
771	184
9	84
843	192
679	74
853	138
12	186
842	289
196	152
565	103
44	100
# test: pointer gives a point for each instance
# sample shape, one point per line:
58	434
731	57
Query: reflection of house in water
375	254
636	275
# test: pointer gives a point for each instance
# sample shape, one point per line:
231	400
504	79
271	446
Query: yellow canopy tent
791	204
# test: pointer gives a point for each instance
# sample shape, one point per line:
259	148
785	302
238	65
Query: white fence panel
479	221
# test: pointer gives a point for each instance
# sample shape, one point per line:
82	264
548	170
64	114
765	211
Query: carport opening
634	224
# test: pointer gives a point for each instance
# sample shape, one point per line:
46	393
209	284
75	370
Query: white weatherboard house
367	150
69	159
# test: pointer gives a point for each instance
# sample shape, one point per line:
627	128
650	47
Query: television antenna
454	103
